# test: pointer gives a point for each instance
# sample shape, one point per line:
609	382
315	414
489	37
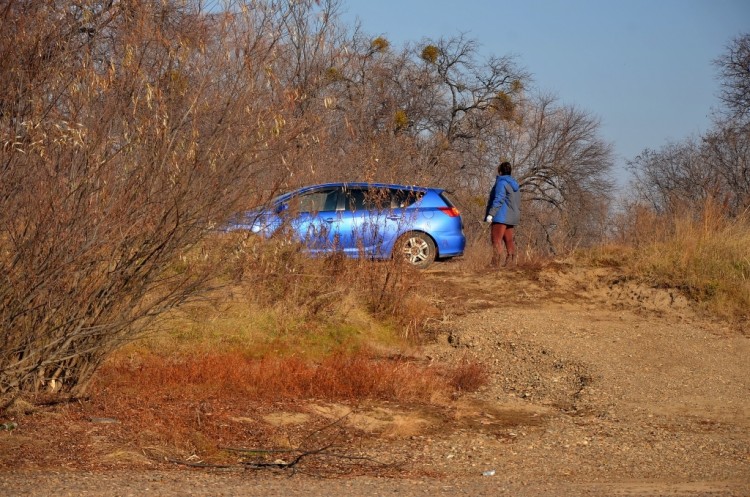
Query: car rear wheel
417	249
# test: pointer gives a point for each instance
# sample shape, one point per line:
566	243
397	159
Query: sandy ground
598	386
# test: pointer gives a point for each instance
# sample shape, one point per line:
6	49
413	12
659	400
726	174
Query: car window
318	201
355	199
367	199
401	199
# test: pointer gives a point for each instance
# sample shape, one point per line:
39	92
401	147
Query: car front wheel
418	249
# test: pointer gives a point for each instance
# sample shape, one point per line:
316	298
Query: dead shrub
125	135
468	376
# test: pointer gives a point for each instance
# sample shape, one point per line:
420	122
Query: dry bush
125	133
479	251
468	376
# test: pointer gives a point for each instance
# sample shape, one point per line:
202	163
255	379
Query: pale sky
644	67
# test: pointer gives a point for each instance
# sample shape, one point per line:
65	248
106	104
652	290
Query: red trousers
503	233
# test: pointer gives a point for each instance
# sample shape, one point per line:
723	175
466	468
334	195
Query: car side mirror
281	208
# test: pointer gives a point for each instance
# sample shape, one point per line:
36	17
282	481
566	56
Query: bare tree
563	166
715	166
558	153
436	112
734	77
687	174
727	153
673	177
466	98
727	146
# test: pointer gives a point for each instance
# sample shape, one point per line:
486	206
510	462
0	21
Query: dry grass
280	328
198	403
282	325
708	258
350	376
468	376
295	292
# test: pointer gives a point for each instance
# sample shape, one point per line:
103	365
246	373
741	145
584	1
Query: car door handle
394	218
329	219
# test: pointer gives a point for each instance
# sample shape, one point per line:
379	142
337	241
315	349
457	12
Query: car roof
363	184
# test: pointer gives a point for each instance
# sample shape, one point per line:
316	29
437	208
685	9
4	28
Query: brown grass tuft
468	376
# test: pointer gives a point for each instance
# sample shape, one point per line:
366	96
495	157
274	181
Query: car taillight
450	211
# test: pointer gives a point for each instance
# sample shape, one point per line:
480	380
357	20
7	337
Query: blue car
372	220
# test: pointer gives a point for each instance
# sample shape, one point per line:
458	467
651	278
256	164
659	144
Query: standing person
504	211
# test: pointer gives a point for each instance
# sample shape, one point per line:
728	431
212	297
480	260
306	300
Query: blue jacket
504	204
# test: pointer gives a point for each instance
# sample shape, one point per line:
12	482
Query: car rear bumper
450	245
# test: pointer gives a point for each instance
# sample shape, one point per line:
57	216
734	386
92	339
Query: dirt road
598	386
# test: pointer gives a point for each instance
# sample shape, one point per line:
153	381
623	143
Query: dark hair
505	168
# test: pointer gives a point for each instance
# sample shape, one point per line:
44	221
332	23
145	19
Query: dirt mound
609	287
